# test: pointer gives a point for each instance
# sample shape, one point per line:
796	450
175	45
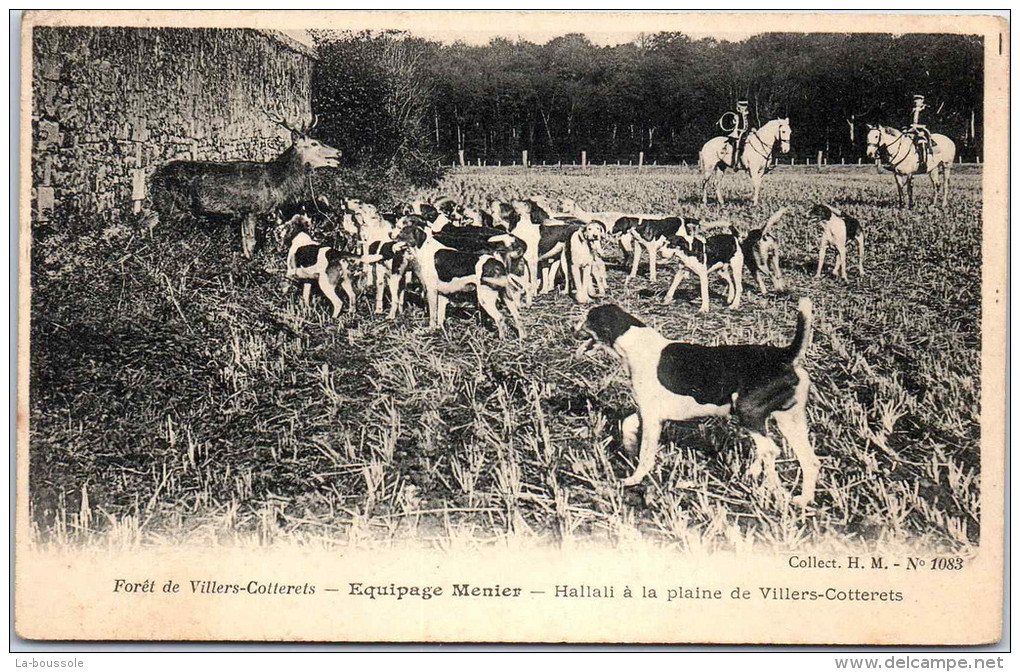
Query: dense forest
395	98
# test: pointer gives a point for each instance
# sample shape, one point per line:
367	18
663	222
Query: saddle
728	153
923	145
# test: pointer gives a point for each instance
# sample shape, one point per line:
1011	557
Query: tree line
394	100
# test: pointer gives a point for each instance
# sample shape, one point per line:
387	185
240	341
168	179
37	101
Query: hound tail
776	216
802	338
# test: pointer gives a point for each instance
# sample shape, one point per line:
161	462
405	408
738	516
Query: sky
602	29
605	28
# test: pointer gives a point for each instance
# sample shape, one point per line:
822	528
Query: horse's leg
860	254
946	168
935	181
910	192
706	175
756	177
899	187
718	185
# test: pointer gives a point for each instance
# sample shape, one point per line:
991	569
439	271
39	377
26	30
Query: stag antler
278	119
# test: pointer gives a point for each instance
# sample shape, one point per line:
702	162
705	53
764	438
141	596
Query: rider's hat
742	103
918	98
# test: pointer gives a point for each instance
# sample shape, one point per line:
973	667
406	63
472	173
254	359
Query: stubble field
181	395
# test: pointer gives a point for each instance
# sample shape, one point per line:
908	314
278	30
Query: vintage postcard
512	327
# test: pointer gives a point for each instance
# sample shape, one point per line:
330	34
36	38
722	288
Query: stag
242	191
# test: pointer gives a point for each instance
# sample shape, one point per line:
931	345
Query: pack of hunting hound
500	257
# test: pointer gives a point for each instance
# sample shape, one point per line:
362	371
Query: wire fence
819	159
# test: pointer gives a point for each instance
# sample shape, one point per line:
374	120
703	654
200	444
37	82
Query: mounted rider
737	135
918	132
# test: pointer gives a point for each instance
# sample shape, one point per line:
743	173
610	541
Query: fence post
819	159
640	159
460	156
858	160
584	158
524	158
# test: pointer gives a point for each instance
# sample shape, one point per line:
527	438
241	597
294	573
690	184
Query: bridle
766	150
893	160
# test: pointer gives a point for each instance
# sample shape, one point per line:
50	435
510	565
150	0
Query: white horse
897	152
758	150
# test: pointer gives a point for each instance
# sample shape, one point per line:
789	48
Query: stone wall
111	104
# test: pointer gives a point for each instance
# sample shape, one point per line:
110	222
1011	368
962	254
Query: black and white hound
576	249
838	228
308	262
650	231
546	241
443	272
718	253
761	254
680	381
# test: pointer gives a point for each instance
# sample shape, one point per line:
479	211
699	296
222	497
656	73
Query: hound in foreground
719	253
838	228
761	254
680	381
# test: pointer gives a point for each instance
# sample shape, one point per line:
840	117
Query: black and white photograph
512	292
